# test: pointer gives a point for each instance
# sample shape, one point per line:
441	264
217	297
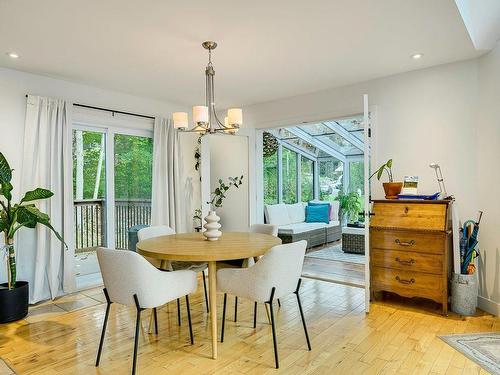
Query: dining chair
129	279
270	229
163	230
275	275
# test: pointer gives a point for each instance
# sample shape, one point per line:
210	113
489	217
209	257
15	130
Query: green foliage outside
133	166
271	179
289	165
307	179
330	179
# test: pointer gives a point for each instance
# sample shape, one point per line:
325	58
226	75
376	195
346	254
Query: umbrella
470	252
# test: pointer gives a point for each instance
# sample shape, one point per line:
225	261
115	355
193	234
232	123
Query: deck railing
90	221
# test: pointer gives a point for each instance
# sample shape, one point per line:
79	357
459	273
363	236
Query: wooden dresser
410	249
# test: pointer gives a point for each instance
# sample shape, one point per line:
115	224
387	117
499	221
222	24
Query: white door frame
369	119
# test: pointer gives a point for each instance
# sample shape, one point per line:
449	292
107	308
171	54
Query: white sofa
290	219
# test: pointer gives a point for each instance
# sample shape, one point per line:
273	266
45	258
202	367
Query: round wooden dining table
193	247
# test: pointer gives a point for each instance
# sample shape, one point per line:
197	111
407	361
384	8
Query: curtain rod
112	111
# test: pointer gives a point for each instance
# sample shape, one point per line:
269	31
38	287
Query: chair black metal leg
302	314
178	311
103	327
205	290
279	303
223	318
136	340
189	320
155	314
235	308
273	324
255	314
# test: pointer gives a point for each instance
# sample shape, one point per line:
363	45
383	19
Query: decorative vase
392	189
212	232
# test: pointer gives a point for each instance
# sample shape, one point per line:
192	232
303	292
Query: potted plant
391	188
350	206
14	216
212	225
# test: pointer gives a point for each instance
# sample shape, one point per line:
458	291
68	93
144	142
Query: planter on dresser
410	249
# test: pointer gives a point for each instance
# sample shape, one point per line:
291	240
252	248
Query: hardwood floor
332	270
62	337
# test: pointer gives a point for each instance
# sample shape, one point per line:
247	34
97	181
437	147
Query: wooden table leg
212	285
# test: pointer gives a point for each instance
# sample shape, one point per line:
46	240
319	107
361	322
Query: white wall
423	116
229	158
488	174
15	85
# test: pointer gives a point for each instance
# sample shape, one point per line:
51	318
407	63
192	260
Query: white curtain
167	206
47	163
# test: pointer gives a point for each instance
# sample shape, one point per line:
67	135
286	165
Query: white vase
212	232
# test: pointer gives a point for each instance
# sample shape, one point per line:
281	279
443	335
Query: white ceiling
267	49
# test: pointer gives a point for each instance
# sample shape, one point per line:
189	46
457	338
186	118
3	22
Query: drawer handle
404	243
404	281
409	262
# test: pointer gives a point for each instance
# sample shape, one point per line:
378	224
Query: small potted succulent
212	232
391	188
14	295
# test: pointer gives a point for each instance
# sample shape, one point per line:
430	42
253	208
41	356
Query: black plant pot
14	302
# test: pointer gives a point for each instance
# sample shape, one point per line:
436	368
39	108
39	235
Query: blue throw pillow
317	213
321	203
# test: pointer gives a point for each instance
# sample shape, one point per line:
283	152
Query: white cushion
335	210
333	223
300	227
277	214
296	212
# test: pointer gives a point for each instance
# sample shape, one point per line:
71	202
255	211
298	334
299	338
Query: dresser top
407	201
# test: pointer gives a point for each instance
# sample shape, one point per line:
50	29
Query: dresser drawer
407	283
422	216
425	242
407	261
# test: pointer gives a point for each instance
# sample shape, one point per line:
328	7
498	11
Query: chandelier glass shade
205	117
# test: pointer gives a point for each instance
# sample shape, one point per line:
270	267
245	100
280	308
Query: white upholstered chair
270	229
275	275
131	280
163	230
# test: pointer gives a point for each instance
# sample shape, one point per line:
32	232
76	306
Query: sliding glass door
112	186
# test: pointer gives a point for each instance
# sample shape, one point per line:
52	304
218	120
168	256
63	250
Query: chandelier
205	116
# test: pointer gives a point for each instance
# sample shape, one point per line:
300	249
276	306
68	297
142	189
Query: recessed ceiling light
417	56
13	55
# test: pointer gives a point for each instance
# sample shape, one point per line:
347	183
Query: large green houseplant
14	216
350	206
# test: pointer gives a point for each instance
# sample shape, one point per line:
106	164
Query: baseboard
488	305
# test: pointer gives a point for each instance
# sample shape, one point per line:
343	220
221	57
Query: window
133	170
89	188
271	179
101	218
357	180
289	173
306	179
330	178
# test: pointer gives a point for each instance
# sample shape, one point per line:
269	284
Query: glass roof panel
351	124
316	129
282	133
340	144
304	145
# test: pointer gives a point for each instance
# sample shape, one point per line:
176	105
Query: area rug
482	348
4	369
335	253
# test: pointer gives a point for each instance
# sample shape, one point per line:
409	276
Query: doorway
112	185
